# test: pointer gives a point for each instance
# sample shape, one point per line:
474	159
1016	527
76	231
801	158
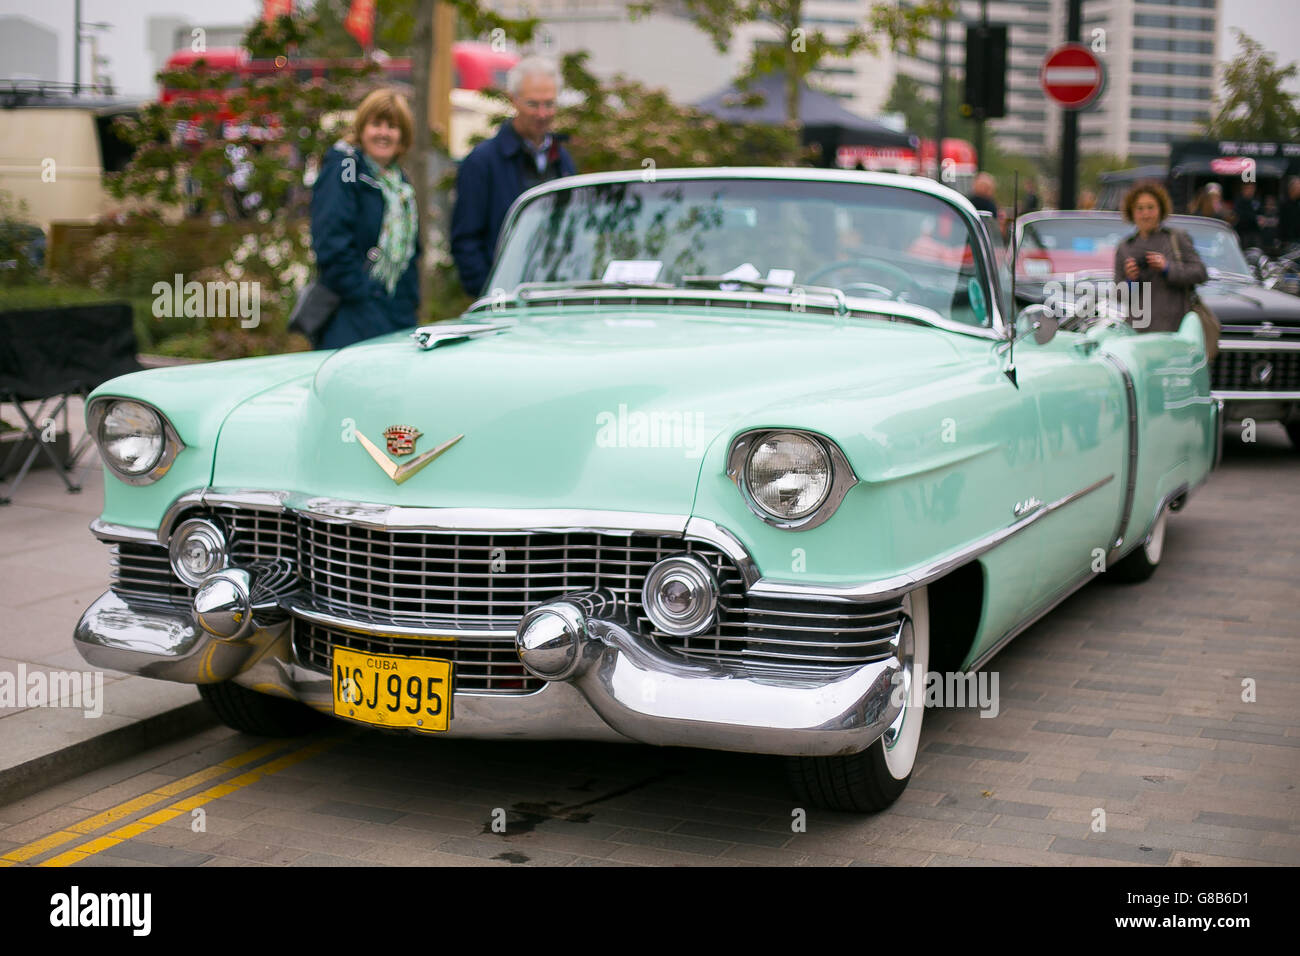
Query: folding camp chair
49	355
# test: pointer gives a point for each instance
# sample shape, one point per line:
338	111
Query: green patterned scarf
397	231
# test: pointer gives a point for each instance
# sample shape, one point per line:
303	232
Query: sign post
1073	78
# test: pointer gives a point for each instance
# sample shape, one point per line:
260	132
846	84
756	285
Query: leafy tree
1256	105
908	96
1092	165
795	50
236	153
622	124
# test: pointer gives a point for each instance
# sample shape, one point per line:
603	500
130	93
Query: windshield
1060	246
877	242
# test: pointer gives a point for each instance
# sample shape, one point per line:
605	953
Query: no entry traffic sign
1072	76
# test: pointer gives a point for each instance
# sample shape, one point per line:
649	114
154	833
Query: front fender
197	400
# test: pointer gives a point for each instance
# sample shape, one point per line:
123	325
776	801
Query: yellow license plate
390	691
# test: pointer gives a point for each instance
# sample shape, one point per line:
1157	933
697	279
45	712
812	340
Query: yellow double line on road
89	825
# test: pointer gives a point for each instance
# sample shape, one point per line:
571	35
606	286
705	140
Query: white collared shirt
539	154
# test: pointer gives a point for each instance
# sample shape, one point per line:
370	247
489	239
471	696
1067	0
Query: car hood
1247	303
610	411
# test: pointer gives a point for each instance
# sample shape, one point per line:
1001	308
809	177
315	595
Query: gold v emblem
399	473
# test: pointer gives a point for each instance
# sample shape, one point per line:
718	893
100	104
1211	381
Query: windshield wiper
841	303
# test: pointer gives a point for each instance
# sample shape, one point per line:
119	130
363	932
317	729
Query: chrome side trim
702	529
1260	396
900	584
316	616
107	531
1130	467
1218	433
1257	345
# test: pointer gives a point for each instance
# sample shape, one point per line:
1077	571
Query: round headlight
680	595
789	475
131	437
197	549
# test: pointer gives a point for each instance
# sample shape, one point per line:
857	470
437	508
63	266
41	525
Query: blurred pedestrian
1269	219
1030	202
364	228
1288	227
1087	199
1163	259
524	153
984	193
1246	211
1209	203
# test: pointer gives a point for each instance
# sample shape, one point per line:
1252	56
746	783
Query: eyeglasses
536	105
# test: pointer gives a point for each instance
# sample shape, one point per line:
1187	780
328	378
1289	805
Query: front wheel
1293	432
259	714
870	781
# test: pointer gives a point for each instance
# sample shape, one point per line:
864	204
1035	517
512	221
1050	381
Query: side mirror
1038	319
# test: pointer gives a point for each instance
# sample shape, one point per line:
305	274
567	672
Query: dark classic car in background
1257	371
728	459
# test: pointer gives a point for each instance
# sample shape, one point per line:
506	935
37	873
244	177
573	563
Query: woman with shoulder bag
364	228
1166	263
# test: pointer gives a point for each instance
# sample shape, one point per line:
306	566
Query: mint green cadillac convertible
726	458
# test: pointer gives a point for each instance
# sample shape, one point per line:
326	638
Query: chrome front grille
768	632
1242	370
487	581
483	581
143	572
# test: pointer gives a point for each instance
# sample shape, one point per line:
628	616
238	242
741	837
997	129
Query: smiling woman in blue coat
364	227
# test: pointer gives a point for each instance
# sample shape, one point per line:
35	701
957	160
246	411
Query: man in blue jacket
524	153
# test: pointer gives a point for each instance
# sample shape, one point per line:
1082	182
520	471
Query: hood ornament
401	441
432	336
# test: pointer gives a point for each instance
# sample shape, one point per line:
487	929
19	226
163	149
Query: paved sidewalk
51	569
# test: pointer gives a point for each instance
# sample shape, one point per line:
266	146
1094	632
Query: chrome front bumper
625	688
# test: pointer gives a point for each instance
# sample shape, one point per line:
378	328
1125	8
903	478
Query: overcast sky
1275	23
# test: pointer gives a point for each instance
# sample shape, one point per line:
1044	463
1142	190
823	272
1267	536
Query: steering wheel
892	271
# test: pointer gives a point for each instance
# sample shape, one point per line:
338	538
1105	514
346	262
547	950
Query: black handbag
316	305
1210	324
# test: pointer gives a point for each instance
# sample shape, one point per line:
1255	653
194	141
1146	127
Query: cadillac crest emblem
401	439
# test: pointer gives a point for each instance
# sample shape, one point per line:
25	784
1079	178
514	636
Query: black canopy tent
822	119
